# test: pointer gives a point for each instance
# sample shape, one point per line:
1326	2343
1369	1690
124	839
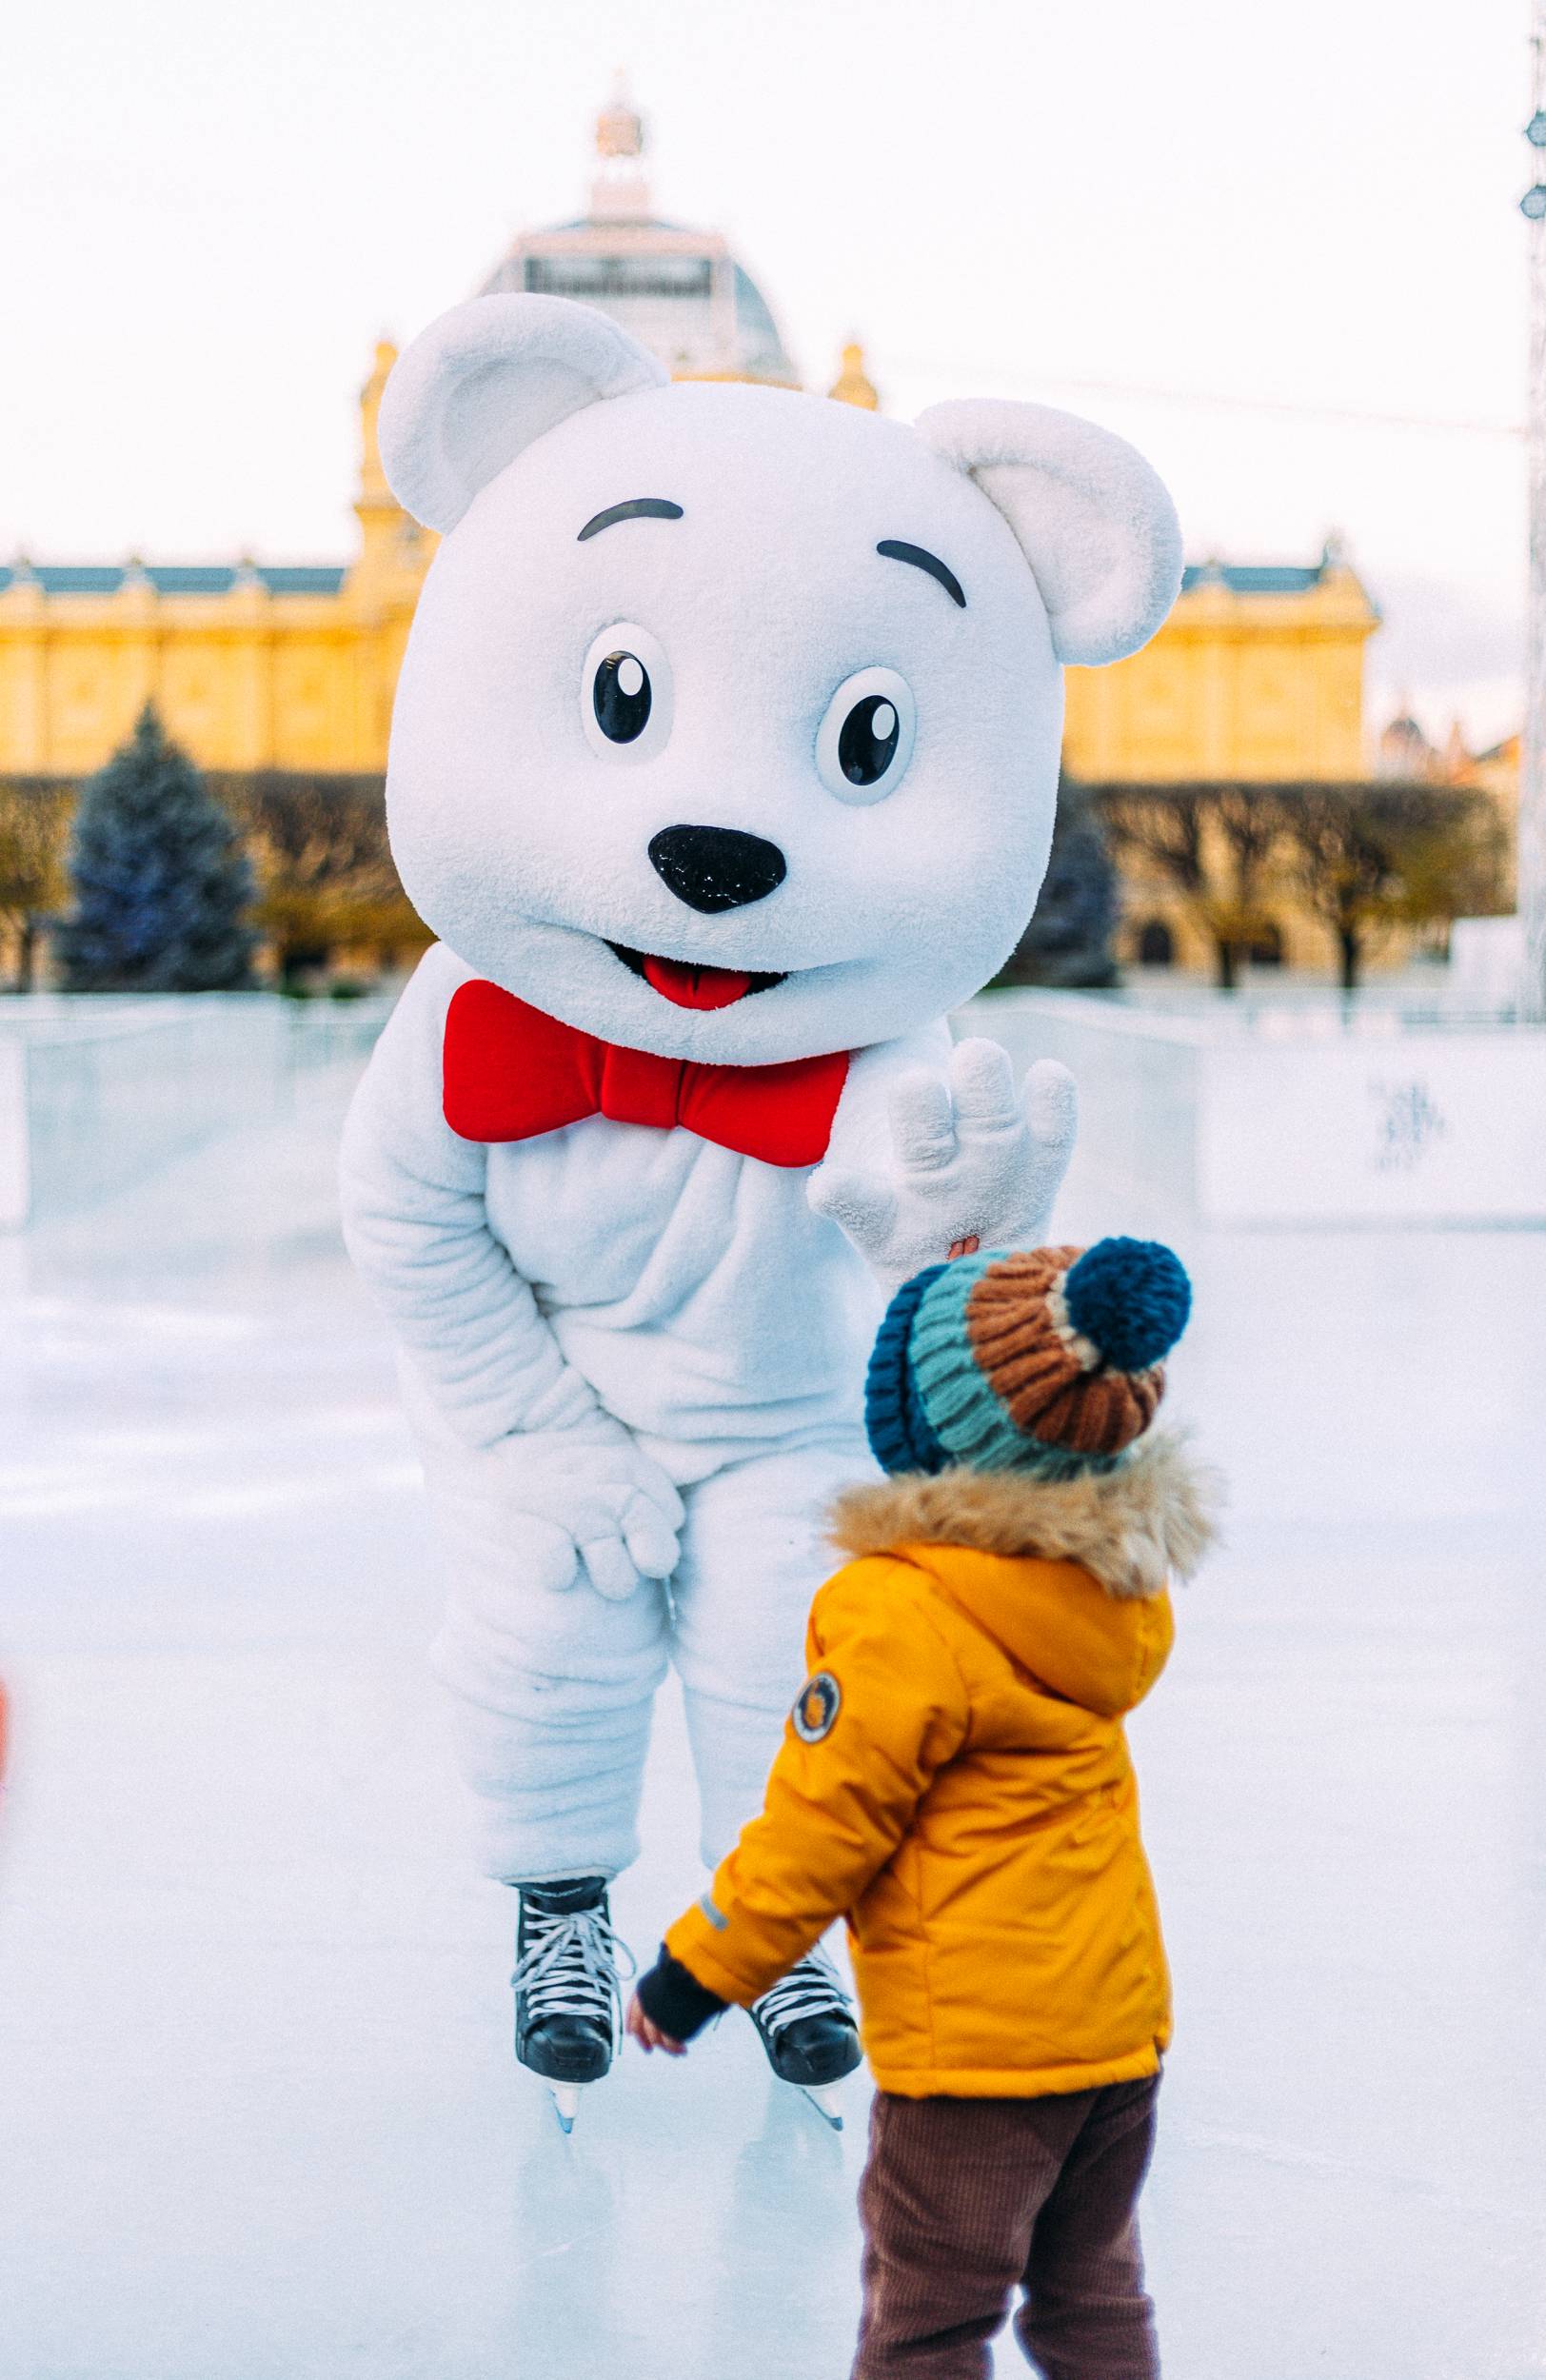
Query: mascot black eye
625	693
866	740
621	696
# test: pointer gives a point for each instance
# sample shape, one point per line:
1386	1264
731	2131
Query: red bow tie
512	1072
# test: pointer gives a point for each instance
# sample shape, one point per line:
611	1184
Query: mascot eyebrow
896	551
637	508
661	509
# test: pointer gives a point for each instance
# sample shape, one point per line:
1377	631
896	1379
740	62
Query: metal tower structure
1532	822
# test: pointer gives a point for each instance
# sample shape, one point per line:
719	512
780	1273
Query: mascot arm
417	1228
933	1145
506	1415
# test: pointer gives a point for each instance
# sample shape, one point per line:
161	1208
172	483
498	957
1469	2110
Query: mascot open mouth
688	985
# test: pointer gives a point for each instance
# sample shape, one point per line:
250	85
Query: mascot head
730	721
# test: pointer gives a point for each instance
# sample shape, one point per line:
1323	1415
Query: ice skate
568	2010
809	2032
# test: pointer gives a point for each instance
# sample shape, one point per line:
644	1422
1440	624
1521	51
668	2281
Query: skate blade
826	2098
566	2098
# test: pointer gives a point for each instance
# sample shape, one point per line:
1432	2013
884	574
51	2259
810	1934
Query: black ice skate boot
568	2010
808	2031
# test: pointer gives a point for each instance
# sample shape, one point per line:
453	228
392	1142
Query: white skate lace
573	1966
809	1990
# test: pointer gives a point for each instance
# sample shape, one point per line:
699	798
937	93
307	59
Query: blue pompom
1131	1297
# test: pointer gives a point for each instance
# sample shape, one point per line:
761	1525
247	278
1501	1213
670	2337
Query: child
955	1779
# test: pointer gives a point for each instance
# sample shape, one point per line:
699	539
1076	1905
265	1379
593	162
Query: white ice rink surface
258	2114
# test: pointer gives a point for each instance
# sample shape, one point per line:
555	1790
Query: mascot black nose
716	868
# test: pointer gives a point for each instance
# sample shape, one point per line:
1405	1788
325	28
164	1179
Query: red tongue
696	987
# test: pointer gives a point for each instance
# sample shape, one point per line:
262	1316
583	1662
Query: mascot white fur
724	764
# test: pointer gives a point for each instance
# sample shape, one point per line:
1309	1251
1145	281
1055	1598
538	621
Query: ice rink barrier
99	1091
1301	1113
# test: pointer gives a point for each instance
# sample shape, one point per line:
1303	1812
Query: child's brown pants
963	2200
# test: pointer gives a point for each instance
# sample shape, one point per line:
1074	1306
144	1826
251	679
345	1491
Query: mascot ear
485	380
1092	519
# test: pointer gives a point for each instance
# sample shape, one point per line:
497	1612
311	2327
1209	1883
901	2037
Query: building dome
1404	750
679	292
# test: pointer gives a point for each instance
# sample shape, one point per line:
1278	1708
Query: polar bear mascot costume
724	764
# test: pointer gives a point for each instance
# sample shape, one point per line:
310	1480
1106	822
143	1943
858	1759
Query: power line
1285	408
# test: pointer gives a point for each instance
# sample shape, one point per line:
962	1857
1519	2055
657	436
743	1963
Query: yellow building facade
1258	675
255	667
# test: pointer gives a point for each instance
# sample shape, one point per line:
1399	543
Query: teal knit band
958	1401
962	1410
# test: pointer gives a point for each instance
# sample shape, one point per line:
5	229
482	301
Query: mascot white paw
971	1164
581	1506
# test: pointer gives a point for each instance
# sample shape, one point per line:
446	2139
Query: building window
1156	943
574	276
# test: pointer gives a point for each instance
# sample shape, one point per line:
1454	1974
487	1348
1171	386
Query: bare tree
35	821
324	868
1367	858
1364	858
1247	822
1212	844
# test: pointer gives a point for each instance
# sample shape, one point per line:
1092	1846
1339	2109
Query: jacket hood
1005	1543
1134	1529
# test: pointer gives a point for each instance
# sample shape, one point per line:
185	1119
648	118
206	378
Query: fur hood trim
1134	1529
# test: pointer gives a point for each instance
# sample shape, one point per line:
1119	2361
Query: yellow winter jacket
955	1779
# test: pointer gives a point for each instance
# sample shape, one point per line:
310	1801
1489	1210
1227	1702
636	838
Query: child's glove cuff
672	1997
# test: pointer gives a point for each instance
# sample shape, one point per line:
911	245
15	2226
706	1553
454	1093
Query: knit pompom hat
1046	1360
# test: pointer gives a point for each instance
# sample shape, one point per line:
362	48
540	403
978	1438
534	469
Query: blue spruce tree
1068	940
161	882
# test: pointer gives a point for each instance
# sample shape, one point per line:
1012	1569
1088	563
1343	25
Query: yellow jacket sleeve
883	1709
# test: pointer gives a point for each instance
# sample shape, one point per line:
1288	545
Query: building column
24	611
250	606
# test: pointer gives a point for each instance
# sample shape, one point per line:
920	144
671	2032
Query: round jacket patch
819	1703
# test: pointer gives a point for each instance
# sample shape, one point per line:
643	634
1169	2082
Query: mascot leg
752	1559
553	1694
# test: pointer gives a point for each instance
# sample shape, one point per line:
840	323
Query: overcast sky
212	211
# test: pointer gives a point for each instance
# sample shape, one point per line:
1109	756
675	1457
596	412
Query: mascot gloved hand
589	1507
970	1162
723	765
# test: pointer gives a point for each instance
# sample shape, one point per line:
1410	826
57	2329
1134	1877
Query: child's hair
1044	1359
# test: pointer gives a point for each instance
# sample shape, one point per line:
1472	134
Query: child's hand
648	2035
